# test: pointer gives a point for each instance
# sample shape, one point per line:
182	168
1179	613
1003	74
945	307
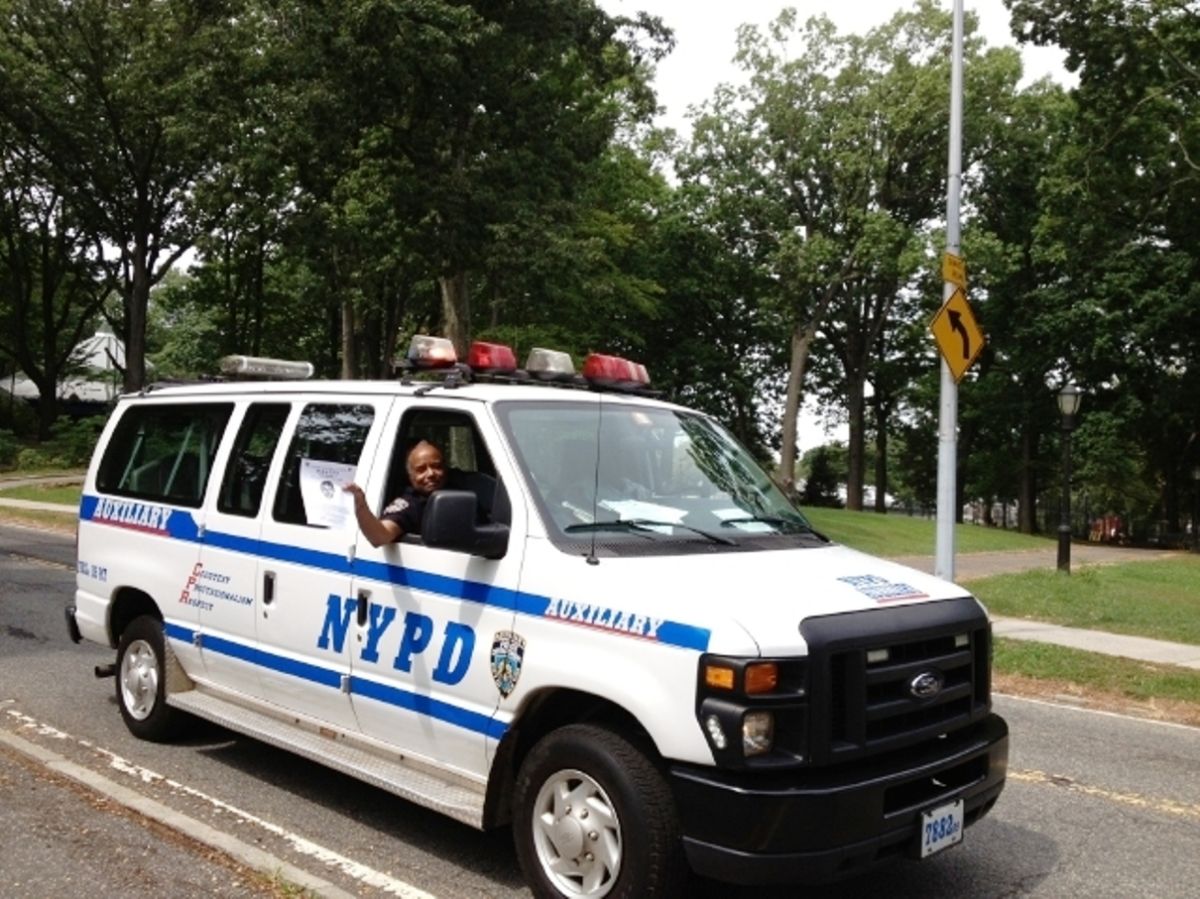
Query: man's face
426	471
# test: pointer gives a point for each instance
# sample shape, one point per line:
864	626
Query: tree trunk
349	356
456	311
856	462
1027	488
137	301
802	339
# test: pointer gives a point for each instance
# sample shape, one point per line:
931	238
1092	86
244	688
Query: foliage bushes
17	416
70	446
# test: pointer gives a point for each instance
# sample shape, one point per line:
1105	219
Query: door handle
364	599
268	587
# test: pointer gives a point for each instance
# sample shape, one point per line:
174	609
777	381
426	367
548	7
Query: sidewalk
1142	649
970	566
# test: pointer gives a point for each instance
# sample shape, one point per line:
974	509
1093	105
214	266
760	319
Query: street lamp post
1069	398
1196	509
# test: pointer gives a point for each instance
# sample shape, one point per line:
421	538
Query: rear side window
164	453
324	433
246	474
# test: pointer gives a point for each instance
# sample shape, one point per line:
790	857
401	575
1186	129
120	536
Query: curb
250	856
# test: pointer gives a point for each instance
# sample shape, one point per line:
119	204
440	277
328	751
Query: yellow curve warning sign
958	335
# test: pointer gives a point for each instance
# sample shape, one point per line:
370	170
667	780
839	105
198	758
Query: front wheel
141	681
594	818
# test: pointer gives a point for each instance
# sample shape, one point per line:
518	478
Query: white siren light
261	367
549	364
431	352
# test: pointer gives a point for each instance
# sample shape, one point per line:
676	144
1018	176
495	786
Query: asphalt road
1097	805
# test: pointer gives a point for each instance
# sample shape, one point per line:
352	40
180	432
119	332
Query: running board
450	797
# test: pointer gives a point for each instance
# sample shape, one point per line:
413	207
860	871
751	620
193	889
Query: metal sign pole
947	488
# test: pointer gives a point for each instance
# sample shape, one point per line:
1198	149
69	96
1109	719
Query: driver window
468	463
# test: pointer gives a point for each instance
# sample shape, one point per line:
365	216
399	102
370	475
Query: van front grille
890	678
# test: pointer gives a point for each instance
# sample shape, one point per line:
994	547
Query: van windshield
641	476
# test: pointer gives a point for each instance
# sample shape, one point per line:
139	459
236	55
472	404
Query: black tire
633	852
141	682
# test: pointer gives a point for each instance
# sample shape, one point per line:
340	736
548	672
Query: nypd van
614	633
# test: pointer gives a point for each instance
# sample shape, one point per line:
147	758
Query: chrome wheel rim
139	679
577	835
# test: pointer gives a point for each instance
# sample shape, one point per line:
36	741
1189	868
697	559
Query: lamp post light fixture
1069	399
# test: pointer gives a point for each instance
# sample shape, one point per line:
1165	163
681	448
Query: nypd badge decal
508	651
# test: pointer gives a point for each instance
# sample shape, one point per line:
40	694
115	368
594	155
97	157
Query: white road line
1102	712
243	852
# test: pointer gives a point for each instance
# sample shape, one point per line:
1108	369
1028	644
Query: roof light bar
261	367
549	365
431	352
495	358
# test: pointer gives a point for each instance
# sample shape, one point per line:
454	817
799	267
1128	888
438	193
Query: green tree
51	287
131	109
838	159
822	480
1120	223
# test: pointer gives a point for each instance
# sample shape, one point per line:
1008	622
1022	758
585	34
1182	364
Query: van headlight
753	711
758	733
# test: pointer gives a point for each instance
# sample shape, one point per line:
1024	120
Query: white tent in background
94	378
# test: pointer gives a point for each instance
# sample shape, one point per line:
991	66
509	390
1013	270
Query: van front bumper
818	825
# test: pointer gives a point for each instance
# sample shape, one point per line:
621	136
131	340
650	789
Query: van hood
745	603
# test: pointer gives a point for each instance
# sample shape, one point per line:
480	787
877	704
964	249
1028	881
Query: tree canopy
341	175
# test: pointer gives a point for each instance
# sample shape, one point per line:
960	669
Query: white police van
615	634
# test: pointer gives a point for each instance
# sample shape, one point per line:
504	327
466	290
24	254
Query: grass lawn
1099	681
900	535
67	494
1159	598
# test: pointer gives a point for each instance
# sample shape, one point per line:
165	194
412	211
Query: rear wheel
141	681
594	818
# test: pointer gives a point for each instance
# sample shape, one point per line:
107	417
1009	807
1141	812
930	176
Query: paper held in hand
325	502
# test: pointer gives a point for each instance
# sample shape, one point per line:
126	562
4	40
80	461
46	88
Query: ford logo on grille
927	684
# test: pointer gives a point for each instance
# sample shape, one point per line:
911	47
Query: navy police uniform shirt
407	510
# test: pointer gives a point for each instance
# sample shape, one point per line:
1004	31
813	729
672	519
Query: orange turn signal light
762	677
718	677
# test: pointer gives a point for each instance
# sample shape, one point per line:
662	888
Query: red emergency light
495	358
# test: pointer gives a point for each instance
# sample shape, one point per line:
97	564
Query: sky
705	39
705	42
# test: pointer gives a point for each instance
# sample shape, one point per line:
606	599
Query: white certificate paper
325	502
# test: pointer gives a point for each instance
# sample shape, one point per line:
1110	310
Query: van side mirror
451	522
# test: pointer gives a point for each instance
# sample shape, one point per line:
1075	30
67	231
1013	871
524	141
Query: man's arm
378	531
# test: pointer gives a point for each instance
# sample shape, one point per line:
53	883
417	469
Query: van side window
164	453
246	474
468	464
325	433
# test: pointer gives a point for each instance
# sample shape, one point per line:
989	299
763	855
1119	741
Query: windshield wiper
616	524
786	525
708	535
644	527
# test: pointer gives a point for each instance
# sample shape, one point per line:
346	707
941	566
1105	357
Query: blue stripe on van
425	705
182	526
327	677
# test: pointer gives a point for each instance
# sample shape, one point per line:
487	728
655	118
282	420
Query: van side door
422	674
303	627
228	577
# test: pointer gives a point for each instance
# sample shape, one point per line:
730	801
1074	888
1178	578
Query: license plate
941	828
